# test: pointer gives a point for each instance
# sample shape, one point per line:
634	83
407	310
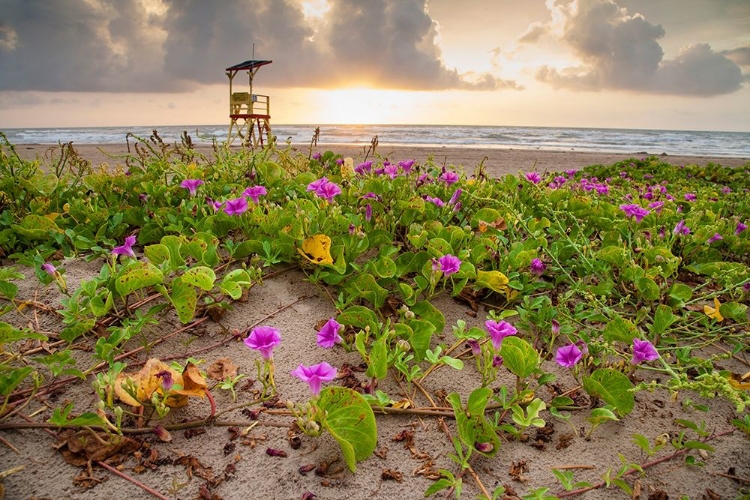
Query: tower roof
252	64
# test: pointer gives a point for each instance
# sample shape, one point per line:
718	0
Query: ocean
672	142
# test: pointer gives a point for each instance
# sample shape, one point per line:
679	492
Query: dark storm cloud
621	51
117	45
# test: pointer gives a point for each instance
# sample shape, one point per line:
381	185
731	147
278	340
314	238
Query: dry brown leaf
222	369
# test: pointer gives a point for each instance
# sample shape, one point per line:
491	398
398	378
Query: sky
650	64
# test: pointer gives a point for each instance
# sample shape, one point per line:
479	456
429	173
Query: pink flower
537	267
368	212
263	339
315	185
636	211
740	227
127	248
449	177
643	350
191	185
328	336
328	191
236	206
449	264
435	200
498	331
555	327
49	268
715	237
455	197
568	355
533	177
681	228
657	206
406	165
363	168
315	375
391	171
690	196
255	192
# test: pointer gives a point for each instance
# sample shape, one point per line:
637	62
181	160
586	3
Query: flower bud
403	346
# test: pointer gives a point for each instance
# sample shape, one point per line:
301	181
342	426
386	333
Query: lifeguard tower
249	113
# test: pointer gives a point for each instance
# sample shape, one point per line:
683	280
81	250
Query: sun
364	106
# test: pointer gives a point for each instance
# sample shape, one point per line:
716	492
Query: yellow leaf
147	382
317	249
494	280
713	312
740	382
402	403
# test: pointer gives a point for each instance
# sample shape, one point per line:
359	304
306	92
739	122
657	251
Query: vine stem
645	466
474	475
132	480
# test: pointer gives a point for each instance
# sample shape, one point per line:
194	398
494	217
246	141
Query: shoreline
497	161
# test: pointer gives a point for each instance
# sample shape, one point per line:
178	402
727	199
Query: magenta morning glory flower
255	192
726	190
166	379
498	331
568	355
126	248
571	173
449	264
455	197
537	267
555	327
740	227
317	156
690	196
263	339
315	185
363	167
235	206
497	361
449	177
406	165
643	350
368	212
315	375
191	185
715	237
657	206
681	228
435	200
476	349
633	210
328	191
49	268
391	171
328	336
533	177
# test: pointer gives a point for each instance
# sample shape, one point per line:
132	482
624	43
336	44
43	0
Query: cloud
621	51
177	45
740	55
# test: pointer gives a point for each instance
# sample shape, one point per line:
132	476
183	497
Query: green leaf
679	294
366	287
663	319
612	255
734	311
183	298
519	356
200	276
72	332
9	333
8	290
472	426
157	254
648	288
137	279
613	387
438	485
10	381
378	366
359	317
601	415
174	243
420	338
246	248
425	310
351	422
620	330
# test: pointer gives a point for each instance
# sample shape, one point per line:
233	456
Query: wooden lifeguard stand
250	114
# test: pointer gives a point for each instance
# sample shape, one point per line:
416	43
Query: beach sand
498	161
